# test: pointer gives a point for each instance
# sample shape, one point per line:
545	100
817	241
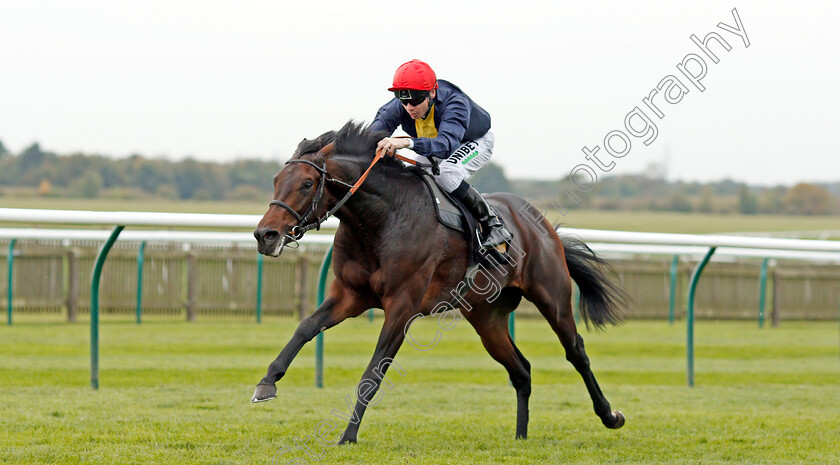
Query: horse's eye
307	184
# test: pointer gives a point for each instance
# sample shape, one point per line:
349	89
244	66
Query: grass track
178	393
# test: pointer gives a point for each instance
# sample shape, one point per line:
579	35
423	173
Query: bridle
298	230
302	227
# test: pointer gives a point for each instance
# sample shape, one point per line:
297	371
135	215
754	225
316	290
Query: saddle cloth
452	214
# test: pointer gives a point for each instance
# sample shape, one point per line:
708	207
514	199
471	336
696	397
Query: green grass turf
178	393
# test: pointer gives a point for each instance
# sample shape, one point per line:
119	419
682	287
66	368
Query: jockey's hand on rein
390	145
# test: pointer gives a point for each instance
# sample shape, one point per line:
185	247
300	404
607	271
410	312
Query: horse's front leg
397	316
342	303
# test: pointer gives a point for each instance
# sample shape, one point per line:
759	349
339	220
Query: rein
302	227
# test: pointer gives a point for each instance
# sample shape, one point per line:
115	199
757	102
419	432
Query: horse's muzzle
268	241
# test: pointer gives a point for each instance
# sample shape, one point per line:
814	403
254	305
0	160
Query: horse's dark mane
313	145
355	140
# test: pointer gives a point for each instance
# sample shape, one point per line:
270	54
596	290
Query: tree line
640	192
35	171
39	172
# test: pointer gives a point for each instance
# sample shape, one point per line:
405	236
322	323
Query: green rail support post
260	263
319	339
576	303
512	326
762	292
94	306
140	258
10	260
689	316
512	331
672	300
370	315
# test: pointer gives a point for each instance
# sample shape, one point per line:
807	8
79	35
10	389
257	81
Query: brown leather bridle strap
380	154
406	159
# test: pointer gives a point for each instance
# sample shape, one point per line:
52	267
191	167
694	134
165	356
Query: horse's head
317	175
299	199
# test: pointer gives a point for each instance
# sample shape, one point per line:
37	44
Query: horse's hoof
346	440
619	420
264	392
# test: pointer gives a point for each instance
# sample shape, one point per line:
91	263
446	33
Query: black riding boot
493	232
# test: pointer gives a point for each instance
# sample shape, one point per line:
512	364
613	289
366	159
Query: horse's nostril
266	235
271	236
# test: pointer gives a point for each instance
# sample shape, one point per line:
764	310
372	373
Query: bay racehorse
390	252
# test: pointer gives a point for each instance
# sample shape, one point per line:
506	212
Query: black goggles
411	97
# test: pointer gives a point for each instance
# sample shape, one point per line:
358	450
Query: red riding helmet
414	75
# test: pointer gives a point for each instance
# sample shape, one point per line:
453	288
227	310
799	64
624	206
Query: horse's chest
361	278
377	282
354	274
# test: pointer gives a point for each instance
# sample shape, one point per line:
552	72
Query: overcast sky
224	80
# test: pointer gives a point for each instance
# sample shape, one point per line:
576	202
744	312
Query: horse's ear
327	150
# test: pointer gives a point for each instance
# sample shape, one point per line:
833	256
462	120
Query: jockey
445	123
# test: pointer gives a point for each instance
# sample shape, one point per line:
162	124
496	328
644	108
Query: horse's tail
601	300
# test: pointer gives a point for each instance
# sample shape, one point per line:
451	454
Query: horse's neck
371	210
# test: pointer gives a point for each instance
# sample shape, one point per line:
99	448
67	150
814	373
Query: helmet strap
429	110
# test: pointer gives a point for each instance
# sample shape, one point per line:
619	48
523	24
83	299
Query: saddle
451	213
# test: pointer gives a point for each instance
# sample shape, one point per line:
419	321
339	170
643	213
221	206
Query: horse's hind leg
575	353
552	294
491	325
